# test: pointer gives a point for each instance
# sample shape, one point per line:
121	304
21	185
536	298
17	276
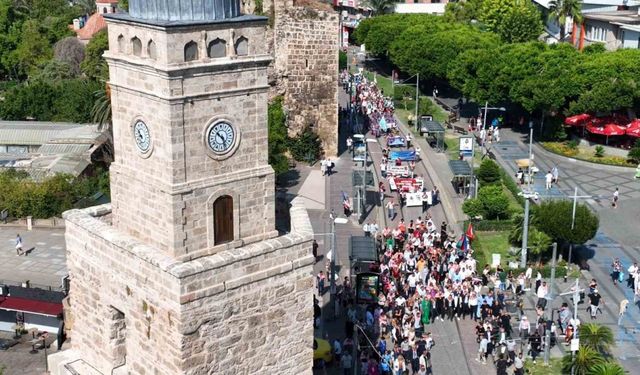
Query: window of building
136	46
217	48
191	51
242	46
223	220
151	49
18	149
121	46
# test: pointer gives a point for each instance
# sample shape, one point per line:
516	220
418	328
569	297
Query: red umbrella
578	120
607	130
633	129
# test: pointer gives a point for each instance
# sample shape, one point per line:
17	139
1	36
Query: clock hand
221	136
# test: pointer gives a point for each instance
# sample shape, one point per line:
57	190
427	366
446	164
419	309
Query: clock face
142	136
221	138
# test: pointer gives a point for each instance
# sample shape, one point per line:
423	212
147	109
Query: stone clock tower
184	272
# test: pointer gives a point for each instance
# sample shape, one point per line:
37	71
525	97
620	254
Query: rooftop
617	17
184	10
63	147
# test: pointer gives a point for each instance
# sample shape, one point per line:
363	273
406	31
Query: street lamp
334	255
473	186
487	108
527	194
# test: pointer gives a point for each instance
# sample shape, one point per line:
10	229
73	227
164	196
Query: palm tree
380	6
585	359
596	337
607	368
101	114
561	9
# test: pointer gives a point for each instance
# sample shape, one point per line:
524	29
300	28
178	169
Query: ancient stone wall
244	311
305	69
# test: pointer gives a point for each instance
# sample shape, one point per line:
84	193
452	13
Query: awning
31	306
431	126
460	168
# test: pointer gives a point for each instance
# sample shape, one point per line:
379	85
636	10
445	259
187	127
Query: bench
460	129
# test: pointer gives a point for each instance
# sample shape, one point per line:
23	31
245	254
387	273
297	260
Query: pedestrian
323	166
542	295
534	342
496	135
426	197
18	245
594	303
383	169
554	172
366	230
520	176
350	144
518	365
616	270
623	308
632	270
330	166
616	196
547	179
391	211
381	191
346	206
314	250
346	363
435	92
320	281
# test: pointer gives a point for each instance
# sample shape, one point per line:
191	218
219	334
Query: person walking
542	295
554	173
350	144
632	270
616	269
346	363
18	245
391	210
616	197
594	303
548	178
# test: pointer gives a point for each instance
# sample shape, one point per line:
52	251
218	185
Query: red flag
470	233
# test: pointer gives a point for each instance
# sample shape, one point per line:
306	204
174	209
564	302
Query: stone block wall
244	311
306	42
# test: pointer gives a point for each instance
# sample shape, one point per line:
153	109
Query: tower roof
184	10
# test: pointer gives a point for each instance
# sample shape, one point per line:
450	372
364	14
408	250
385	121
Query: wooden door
223	219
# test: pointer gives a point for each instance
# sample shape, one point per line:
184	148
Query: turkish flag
470	234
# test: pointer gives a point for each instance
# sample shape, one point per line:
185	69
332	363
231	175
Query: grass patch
383	82
554	368
563	148
488	243
514	206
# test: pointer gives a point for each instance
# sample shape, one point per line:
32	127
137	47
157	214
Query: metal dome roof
184	10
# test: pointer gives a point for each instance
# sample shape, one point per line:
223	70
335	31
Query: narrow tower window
191	51
223	220
217	48
151	49
242	46
136	46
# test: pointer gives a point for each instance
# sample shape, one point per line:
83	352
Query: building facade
184	272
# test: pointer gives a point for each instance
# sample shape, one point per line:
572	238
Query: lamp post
527	194
334	255
473	186
487	108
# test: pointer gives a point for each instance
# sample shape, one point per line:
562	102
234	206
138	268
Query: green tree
342	60
305	146
71	51
277	136
489	173
554	218
75	100
462	11
522	23
473	207
53	71
538	242
94	66
32	50
607	368
634	153
585	359
494	202
597	337
559	10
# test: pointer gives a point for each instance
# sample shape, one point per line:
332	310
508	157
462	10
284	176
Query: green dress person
426	311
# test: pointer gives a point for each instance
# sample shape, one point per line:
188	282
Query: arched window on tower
104	10
242	46
136	46
217	48
223	220
191	51
151	49
121	46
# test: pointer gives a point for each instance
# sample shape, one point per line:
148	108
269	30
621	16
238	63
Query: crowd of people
429	275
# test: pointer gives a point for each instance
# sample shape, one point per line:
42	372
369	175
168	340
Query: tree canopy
554	218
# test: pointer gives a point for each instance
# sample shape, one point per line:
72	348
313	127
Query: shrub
489	173
305	146
634	153
473	207
572	144
508	182
554	218
599	151
404	92
494	202
490	225
277	136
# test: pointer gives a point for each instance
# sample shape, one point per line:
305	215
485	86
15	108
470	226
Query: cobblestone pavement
18	360
44	265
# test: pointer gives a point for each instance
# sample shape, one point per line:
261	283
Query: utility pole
573	213
550	297
417	95
527	194
576	298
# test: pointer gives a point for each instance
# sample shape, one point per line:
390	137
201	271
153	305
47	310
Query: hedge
490	225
